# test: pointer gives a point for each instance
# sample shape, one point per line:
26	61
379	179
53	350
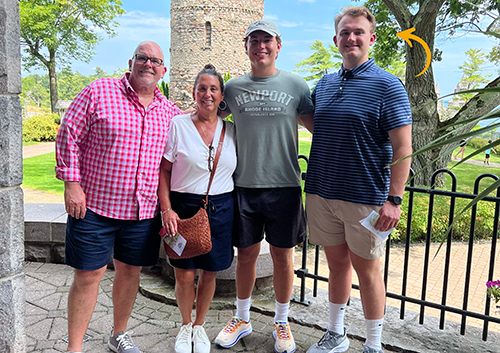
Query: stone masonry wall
12	339
189	50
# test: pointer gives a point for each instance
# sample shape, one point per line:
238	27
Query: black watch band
396	199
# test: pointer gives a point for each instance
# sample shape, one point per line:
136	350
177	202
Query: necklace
203	131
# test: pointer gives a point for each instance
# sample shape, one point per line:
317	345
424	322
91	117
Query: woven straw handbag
196	230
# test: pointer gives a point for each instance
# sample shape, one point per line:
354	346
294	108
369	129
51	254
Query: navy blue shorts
220	216
279	212
91	241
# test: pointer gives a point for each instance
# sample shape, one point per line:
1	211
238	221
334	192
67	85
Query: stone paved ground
154	324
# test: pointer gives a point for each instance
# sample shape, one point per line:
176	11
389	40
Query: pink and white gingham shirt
113	146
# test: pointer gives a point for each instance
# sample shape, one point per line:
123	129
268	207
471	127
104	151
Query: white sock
374	333
243	308
281	312
337	312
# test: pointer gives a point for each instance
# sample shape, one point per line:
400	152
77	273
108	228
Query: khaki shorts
335	222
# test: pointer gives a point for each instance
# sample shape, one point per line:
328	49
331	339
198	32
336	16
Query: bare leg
246	272
283	273
81	303
185	292
371	286
125	287
204	295
340	278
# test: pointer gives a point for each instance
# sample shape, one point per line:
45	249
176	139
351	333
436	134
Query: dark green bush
40	128
461	228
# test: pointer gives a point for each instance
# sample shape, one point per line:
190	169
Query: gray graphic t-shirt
265	111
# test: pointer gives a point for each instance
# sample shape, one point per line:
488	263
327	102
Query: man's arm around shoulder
307	121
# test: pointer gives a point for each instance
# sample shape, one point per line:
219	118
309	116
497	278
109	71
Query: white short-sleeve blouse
189	156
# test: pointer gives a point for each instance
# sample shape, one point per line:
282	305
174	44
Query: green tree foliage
322	62
35	91
36	87
56	32
164	88
473	68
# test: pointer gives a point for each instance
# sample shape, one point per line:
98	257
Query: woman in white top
184	175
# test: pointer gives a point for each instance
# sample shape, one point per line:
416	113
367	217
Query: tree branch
480	104
400	11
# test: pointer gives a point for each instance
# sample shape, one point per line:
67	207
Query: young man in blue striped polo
362	123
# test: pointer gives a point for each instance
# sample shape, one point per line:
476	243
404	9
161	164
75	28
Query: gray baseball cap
263	25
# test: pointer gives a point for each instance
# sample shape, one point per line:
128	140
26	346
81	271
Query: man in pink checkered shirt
108	153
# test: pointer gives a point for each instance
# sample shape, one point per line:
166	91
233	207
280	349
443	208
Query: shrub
40	128
477	143
461	227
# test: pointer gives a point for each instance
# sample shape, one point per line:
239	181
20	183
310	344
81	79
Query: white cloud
289	24
270	17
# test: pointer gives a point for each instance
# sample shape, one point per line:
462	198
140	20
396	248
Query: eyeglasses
142	59
210	158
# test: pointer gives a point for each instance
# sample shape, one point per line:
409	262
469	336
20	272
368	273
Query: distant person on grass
487	153
362	123
108	153
462	145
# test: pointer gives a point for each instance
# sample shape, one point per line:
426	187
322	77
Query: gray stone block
37	232
11	163
11	232
12	301
41	252
10	53
58	232
58	253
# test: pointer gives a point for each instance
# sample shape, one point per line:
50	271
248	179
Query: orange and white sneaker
230	335
284	339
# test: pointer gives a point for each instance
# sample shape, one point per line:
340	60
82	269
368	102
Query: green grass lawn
495	158
467	174
30	143
39	174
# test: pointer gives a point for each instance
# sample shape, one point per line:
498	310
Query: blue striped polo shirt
350	152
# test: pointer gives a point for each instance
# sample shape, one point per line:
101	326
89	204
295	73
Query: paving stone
147	328
40	330
44	345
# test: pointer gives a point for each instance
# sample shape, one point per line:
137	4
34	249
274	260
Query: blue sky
301	22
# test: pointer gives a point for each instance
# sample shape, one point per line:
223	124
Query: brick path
458	260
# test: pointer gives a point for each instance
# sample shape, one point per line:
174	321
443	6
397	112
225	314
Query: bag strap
216	160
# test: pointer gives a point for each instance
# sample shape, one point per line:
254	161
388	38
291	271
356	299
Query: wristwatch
396	199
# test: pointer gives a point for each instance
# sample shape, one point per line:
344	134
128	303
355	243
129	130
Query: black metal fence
304	273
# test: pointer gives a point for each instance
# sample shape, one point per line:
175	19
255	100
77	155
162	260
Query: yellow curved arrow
407	35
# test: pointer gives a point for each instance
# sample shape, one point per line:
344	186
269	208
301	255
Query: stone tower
207	32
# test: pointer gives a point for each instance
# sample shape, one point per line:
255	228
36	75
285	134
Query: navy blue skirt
220	216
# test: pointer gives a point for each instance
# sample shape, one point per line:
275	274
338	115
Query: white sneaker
183	341
200	340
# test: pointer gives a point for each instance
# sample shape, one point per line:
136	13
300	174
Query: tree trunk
54	95
422	94
421	90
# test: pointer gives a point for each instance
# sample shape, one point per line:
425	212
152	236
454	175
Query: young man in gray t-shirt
266	105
